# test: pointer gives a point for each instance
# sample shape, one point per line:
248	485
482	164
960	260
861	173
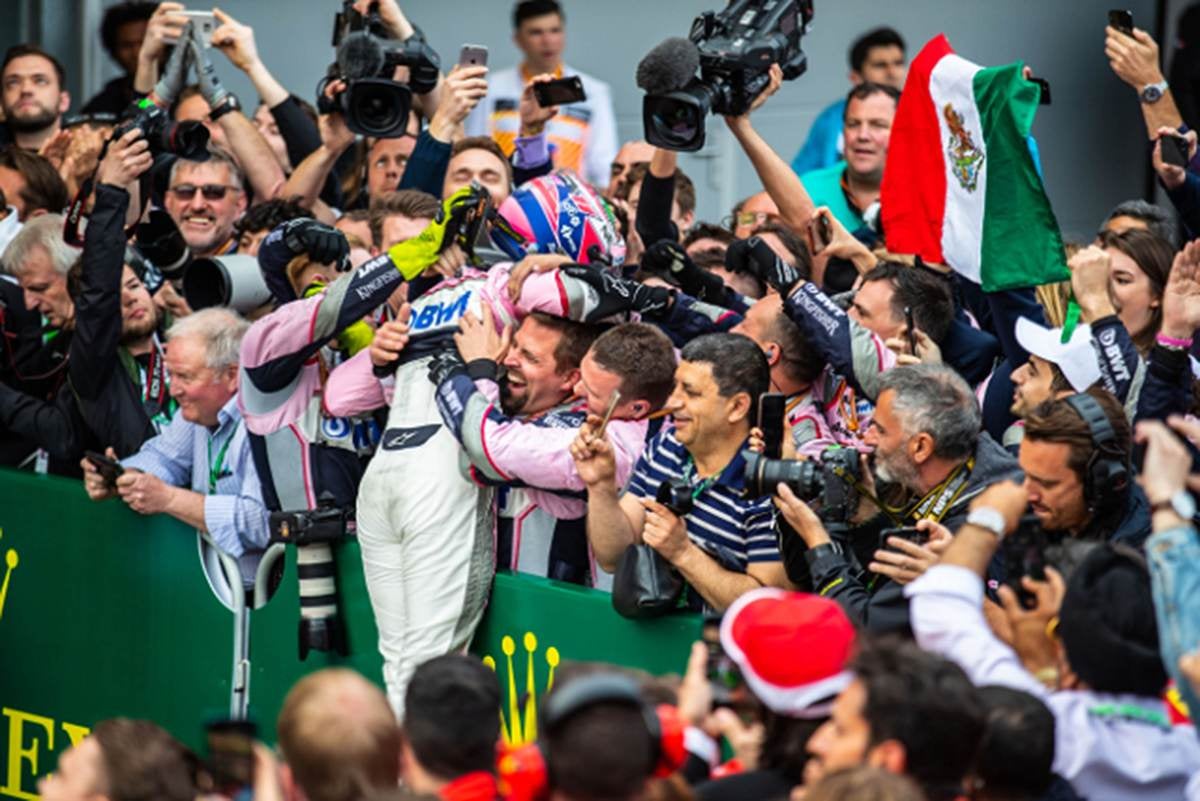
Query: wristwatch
231	103
988	518
1153	92
1181	503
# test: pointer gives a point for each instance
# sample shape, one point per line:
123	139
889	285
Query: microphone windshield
360	56
669	66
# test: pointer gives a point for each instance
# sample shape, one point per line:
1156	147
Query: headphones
1107	472
524	773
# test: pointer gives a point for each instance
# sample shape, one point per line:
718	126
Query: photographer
206	199
1098	669
724	544
930	451
117	391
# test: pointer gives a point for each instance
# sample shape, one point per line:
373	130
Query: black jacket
100	404
876	602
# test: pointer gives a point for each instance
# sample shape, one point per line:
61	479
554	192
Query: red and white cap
792	649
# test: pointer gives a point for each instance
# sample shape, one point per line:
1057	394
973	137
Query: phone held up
1174	150
1122	20
559	92
771	409
231	754
473	56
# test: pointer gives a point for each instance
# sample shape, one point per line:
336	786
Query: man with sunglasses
205	199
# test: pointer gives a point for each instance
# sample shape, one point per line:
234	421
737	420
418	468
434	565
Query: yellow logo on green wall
10	564
519	726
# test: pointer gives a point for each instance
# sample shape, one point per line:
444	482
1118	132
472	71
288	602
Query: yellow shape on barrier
11	560
518	721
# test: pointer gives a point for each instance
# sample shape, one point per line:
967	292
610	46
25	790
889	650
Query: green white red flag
961	186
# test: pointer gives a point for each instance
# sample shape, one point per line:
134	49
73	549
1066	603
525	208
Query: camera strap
933	506
941	498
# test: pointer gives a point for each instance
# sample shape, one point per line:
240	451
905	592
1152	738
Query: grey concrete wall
1091	138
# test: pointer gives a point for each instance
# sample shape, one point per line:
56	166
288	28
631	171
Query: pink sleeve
542	292
278	377
354	389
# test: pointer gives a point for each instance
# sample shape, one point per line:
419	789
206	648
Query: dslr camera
373	103
829	480
736	47
187	139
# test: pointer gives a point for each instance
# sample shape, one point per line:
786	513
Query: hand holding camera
165	26
127	158
1133	56
905	554
534	115
664	531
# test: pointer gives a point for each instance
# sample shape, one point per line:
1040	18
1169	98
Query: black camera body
326	523
187	139
373	103
828	480
676	495
737	46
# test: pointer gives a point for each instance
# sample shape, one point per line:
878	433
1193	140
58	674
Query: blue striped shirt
235	515
733	530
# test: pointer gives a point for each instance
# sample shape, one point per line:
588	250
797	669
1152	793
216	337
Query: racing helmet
558	213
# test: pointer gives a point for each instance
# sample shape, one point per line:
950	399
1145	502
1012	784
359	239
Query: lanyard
689	476
1131	713
933	506
214	468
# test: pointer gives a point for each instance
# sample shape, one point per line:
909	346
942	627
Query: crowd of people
944	538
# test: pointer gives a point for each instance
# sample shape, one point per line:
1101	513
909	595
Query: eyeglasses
211	191
746	218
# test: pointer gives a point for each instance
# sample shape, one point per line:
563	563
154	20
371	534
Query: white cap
1076	358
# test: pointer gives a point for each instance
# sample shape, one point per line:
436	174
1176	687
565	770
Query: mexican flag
961	187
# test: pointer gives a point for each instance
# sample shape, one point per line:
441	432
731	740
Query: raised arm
777	177
252	151
1135	60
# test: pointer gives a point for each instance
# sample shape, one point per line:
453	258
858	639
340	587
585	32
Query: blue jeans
1174	557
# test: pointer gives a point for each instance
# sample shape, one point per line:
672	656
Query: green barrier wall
104	612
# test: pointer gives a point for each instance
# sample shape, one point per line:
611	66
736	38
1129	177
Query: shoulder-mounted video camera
373	102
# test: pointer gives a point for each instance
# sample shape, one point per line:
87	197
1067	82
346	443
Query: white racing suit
424	529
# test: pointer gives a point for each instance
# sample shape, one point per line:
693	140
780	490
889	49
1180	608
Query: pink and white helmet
558	213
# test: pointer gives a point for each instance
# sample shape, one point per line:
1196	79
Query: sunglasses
211	191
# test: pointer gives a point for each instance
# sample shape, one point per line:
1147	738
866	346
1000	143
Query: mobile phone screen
1122	20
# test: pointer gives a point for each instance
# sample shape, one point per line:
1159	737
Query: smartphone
613	402
822	233
203	25
772	406
109	469
231	754
1122	20
910	330
1024	554
473	56
1174	150
723	675
910	533
1044	85
559	92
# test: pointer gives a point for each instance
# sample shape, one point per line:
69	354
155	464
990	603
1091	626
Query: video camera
829	480
734	49
373	103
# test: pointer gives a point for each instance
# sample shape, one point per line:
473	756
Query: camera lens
676	120
378	107
188	139
763	475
